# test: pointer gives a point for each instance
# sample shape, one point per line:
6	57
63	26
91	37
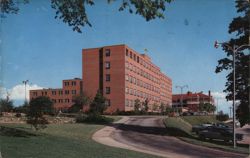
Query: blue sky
37	47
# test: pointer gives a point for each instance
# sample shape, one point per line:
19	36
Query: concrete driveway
146	134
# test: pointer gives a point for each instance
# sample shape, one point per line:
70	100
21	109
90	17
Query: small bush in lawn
18	114
80	118
221	116
94	119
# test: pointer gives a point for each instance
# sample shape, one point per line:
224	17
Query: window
126	77
134	57
66	83
130	91
107	52
60	92
45	93
138	60
127	90
126	52
66	100
127	65
35	93
126	102
53	92
60	100
66	91
107	77
131	56
73	91
107	65
107	102
107	90
73	83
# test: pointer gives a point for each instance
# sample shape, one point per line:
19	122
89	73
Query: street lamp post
234	49
25	83
182	87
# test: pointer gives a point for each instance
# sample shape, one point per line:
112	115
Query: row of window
73	83
141	72
55	92
61	100
139	60
141	83
141	94
129	103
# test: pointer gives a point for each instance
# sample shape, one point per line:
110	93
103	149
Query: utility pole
25	82
234	49
181	87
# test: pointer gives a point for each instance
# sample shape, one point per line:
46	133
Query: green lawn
195	120
58	141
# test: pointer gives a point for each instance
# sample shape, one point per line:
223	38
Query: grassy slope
60	141
195	120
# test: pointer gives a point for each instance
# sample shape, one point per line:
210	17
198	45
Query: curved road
147	133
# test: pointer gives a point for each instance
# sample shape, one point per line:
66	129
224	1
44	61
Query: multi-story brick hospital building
122	75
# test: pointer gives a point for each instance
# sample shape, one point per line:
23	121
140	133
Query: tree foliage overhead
73	12
240	26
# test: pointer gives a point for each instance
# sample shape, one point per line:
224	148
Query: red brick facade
191	101
62	97
123	75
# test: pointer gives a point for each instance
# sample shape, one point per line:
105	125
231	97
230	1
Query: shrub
94	119
18	114
222	117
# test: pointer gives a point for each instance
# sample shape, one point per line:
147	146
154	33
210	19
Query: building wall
62	97
191	101
90	71
132	76
144	80
117	77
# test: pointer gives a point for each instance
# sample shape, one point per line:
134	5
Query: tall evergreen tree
98	105
240	26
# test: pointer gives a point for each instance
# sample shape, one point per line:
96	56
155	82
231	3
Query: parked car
219	133
197	128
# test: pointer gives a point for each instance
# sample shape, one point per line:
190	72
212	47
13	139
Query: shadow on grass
141	129
14	132
170	131
95	119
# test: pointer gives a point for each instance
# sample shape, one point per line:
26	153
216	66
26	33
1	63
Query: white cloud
18	92
221	102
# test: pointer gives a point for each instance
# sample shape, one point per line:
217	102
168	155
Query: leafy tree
98	105
221	116
207	107
155	106
80	101
162	108
239	27
38	107
137	105
73	12
6	105
169	110
145	105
